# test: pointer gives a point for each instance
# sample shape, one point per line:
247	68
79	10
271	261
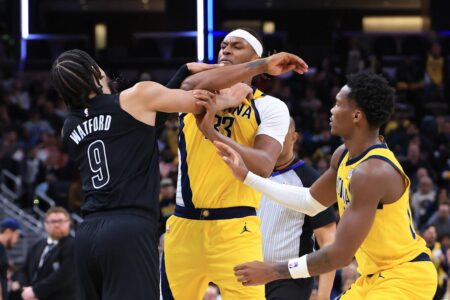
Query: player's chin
333	130
226	62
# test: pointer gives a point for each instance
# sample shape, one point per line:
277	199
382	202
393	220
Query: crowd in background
32	115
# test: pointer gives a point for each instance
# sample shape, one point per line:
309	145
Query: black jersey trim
185	182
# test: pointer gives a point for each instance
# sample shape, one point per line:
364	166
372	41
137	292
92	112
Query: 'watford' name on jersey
97	123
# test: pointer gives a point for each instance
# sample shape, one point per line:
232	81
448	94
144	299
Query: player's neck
285	161
358	143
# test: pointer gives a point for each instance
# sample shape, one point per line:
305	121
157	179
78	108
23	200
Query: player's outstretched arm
223	77
292	197
149	96
353	227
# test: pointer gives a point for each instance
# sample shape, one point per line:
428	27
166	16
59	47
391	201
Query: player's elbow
263	172
187	85
264	164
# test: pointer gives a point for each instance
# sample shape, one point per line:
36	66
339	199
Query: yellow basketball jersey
392	239
205	181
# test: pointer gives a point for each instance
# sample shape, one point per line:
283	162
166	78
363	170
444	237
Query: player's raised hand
195	67
205	120
235	94
233	160
284	62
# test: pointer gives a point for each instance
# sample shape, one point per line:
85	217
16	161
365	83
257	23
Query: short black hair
373	95
255	34
75	74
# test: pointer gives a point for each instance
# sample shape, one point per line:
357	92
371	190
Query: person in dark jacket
49	269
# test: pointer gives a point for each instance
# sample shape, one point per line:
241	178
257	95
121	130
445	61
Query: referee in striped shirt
287	233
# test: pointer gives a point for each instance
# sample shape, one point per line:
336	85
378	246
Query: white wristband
298	267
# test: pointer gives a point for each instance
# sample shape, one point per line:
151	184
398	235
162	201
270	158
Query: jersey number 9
98	163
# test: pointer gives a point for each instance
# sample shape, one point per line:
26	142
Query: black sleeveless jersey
116	154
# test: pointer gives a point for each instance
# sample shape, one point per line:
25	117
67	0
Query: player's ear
295	137
358	116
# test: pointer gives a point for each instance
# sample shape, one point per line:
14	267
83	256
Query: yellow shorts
197	252
408	281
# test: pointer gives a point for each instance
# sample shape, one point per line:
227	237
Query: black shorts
290	289
116	255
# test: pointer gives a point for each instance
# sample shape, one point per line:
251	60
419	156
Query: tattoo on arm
256	63
282	270
319	262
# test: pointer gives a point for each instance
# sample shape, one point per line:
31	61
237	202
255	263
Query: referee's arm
325	236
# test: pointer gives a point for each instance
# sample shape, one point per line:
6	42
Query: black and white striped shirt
287	233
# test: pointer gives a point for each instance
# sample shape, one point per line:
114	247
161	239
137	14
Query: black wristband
177	79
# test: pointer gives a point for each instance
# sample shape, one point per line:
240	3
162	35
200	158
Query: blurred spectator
9	236
166	163
167	202
11	153
19	96
414	161
356	57
434	75
410	85
324	79
321	165
423	200
438	256
441	219
33	167
395	131
48	272
445	241
50	114
35	127
310	104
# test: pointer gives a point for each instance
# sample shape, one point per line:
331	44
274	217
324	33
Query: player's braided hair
75	74
373	95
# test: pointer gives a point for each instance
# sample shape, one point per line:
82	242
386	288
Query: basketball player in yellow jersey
373	197
215	226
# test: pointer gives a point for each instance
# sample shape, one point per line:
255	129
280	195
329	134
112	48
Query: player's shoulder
338	156
266	98
270	104
378	166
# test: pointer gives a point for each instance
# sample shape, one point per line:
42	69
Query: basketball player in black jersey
112	139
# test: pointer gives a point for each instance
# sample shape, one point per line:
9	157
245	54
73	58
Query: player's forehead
343	93
235	40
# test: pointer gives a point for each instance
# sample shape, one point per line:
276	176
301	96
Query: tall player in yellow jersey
372	192
215	226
